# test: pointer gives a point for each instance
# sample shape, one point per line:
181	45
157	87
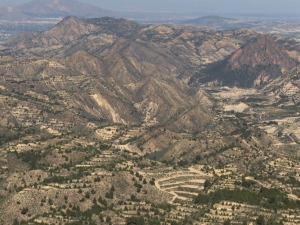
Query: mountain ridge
104	56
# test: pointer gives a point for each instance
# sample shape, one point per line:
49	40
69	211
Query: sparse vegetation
267	198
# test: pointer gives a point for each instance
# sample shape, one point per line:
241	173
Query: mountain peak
69	29
258	62
263	51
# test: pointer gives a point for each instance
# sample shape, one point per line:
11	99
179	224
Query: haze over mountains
38	9
51	11
220	23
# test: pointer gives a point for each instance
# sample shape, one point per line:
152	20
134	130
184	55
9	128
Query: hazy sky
232	6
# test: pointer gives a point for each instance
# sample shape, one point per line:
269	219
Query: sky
213	6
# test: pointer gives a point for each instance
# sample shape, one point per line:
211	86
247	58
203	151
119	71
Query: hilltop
255	64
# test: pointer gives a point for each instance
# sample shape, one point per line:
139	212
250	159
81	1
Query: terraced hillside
183	185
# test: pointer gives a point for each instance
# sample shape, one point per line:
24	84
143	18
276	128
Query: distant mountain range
210	19
37	9
219	23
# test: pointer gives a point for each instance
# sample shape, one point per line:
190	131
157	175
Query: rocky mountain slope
255	64
104	61
286	87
